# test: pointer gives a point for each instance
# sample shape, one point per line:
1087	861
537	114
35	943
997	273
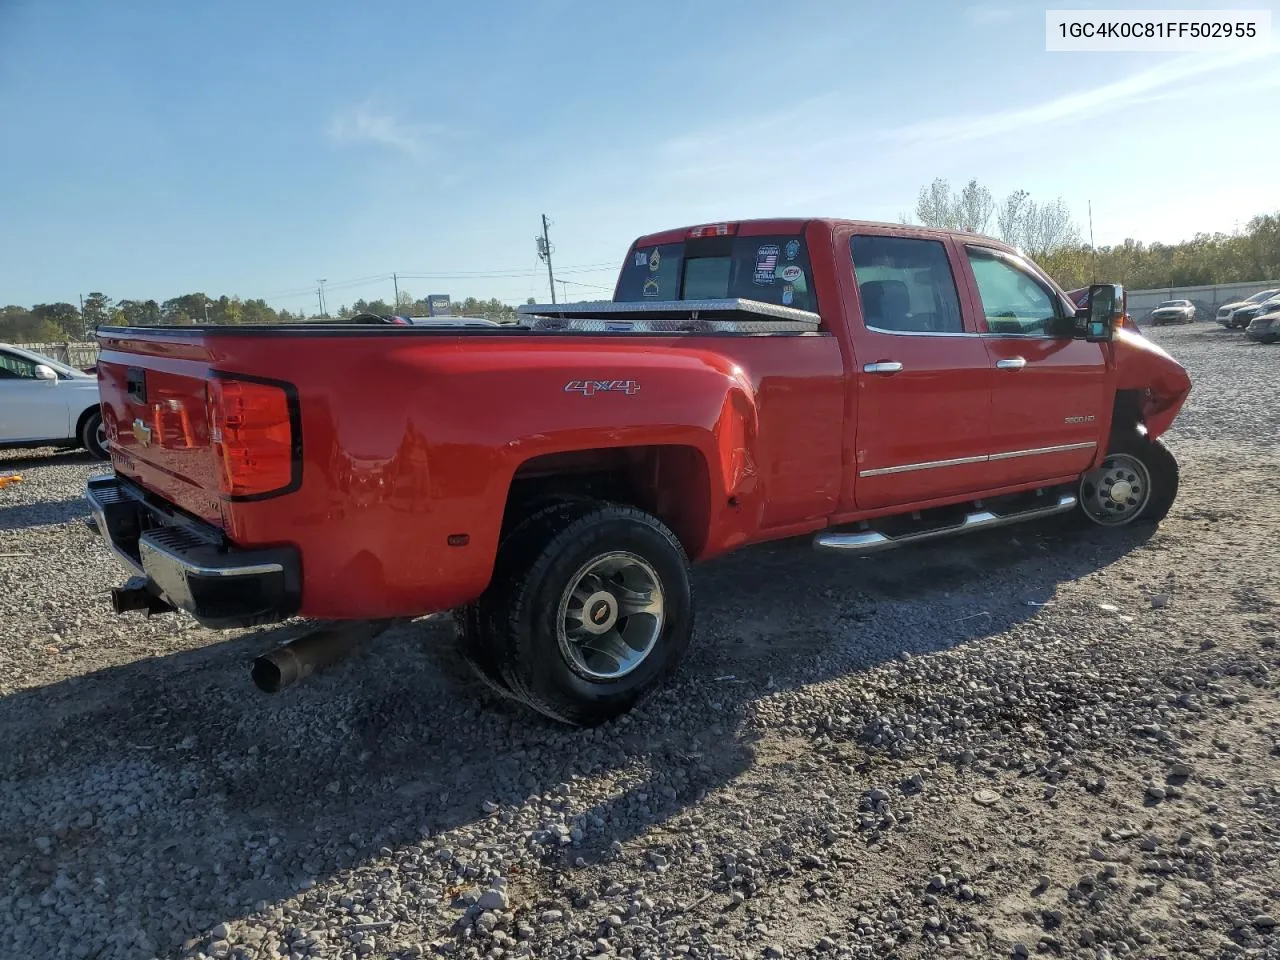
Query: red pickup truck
865	384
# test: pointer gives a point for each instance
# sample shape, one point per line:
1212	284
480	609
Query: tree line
1047	232
58	322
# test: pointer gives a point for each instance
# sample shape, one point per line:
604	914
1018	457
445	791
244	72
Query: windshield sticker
788	294
792	273
793	249
642	258
655	260
651	287
766	264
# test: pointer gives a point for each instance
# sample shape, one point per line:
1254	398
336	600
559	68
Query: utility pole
84	324
395	282
1093	251
544	253
320	296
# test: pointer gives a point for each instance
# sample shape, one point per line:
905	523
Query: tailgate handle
136	383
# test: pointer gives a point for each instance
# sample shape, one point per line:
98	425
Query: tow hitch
135	595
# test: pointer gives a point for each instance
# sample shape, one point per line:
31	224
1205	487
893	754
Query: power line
574	283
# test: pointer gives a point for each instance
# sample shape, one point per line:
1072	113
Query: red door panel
1047	407
1048	391
922	432
923	417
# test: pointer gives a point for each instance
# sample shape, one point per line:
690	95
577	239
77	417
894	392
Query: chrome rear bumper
189	563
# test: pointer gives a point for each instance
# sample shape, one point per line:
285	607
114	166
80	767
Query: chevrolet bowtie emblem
141	433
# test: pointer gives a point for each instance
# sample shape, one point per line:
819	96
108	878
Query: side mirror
1102	313
45	372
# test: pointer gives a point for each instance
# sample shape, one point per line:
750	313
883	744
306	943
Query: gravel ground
1032	741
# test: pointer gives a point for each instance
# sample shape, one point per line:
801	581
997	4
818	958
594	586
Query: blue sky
152	149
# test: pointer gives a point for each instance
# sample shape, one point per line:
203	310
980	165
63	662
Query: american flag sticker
766	263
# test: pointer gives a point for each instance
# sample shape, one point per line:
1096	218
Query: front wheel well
671	482
83	418
1126	415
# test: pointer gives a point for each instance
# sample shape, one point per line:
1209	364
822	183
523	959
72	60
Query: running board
869	541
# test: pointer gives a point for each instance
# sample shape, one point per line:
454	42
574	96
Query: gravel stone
154	807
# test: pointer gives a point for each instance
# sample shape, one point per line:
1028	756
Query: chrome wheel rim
610	616
1117	491
100	435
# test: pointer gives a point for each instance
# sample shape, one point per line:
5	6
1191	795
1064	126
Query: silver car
1173	311
1226	312
1244	316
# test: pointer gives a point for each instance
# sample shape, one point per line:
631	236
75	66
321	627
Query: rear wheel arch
673	482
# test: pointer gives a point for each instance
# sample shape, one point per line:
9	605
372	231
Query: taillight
251	426
713	230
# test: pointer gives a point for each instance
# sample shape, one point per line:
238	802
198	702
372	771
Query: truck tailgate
155	407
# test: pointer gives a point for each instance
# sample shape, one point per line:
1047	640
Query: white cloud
1135	89
366	123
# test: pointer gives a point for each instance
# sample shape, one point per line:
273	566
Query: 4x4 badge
589	388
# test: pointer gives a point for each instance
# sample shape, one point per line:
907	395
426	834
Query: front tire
93	436
590	610
1135	485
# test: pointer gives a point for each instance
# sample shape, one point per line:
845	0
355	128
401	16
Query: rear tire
93	436
1135	485
590	610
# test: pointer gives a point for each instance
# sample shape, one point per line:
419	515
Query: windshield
1174	303
1259	297
771	269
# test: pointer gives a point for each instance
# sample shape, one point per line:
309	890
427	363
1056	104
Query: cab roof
794	225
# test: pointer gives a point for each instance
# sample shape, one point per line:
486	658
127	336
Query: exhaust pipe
135	597
303	656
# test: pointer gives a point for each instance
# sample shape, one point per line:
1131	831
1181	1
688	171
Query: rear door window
771	269
905	285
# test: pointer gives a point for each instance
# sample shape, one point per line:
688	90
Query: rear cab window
772	269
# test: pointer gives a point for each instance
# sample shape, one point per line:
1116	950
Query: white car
47	403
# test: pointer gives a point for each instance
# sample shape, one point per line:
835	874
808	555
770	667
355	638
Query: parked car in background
1244	316
1265	327
44	402
1227	310
1173	311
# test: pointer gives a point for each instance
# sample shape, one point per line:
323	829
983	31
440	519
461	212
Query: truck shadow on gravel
171	795
19	516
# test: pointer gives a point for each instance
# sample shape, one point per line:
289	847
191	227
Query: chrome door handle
1013	363
885	366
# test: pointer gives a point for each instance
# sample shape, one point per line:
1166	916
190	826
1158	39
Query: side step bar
869	541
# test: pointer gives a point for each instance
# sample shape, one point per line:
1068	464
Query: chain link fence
73	354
